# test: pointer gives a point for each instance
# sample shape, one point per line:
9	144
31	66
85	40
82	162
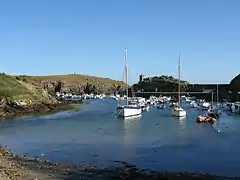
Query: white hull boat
128	111
145	108
179	112
193	105
235	107
205	106
132	109
215	111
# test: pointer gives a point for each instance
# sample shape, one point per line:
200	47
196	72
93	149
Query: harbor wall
226	92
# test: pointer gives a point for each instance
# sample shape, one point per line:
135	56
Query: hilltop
159	84
74	83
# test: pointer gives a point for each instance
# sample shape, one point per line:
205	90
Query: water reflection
131	122
181	120
131	129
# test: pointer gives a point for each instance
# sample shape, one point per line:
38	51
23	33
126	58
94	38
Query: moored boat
235	107
129	108
214	111
206	119
145	108
178	111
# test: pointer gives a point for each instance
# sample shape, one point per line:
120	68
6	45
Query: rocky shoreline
14	167
9	110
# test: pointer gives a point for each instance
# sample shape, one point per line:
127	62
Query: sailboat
214	111
128	109
178	111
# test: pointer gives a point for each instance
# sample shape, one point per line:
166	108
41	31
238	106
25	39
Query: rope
118	114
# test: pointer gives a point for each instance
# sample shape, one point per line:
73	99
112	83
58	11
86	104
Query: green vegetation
71	79
160	83
74	83
66	107
79	106
31	89
13	89
164	78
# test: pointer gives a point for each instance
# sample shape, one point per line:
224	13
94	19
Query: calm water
156	140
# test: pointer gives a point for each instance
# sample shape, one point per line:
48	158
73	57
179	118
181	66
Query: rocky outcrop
73	83
59	86
9	109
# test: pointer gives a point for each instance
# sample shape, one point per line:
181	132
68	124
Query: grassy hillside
71	79
13	89
31	88
74	83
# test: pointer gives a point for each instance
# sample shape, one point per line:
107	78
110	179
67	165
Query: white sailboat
178	111
214	110
128	109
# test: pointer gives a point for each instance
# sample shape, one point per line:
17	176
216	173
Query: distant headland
163	83
22	86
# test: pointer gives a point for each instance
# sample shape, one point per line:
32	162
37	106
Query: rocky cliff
73	83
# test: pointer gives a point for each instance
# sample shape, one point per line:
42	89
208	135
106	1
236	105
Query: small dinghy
206	119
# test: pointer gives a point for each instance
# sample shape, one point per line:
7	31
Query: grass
30	88
13	89
71	79
67	107
79	106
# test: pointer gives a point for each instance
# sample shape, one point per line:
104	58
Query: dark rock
11	109
87	88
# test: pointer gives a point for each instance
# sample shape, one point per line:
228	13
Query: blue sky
89	36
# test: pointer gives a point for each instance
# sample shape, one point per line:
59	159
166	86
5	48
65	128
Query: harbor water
156	140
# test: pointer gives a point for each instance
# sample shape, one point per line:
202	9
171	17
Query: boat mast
123	81
179	80
212	101
121	91
217	93
126	74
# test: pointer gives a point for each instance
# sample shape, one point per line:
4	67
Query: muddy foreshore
11	110
14	167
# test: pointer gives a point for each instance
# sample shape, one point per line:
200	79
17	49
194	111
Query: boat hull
179	112
145	108
215	111
128	111
235	109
